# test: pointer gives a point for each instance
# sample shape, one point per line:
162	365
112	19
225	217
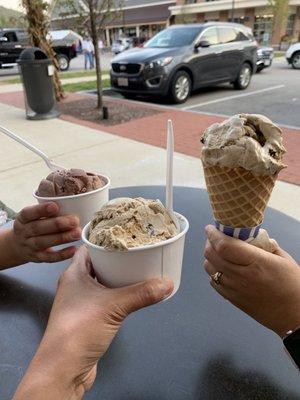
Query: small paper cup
122	268
84	205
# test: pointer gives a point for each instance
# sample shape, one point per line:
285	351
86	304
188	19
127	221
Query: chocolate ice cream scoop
69	183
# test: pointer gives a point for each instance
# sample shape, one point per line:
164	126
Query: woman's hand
266	286
35	231
84	319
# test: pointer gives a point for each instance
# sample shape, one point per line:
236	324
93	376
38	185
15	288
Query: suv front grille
127	68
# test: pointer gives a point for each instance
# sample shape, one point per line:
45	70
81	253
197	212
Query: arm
35	231
266	286
84	319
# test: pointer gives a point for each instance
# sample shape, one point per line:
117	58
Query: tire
63	62
180	87
259	69
244	77
296	60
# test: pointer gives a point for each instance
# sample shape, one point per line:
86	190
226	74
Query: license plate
122	81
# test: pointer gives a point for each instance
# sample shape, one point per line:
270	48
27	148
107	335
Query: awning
143	15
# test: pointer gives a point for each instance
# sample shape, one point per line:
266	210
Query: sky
11	4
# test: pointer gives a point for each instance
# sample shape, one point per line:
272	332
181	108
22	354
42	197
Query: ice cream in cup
76	191
241	158
131	240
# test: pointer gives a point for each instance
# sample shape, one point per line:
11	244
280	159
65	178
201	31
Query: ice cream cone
238	198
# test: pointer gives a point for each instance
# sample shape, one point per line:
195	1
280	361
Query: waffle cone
238	198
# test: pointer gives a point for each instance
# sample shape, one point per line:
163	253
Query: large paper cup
122	268
84	205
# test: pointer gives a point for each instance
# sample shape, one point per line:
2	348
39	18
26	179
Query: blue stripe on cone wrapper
246	234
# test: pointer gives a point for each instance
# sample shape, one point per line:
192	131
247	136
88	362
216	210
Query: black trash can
37	74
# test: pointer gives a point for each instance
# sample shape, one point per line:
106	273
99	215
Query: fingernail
166	287
76	234
50	208
73	221
208	230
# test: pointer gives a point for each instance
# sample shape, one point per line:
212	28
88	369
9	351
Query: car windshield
174	37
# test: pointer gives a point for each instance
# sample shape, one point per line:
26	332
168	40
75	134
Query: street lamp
232	11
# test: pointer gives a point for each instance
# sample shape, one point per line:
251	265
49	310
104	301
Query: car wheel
259	69
180	87
244	77
63	62
296	60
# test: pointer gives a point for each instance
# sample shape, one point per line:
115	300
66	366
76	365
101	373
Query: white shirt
87	45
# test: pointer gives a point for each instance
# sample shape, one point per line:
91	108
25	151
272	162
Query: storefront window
290	24
262	25
239	20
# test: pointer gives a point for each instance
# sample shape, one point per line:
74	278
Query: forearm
9	256
35	386
48	377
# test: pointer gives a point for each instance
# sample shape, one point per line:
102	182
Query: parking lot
275	92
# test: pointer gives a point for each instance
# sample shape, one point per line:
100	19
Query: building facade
257	14
137	18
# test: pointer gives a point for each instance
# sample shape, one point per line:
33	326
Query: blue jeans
88	59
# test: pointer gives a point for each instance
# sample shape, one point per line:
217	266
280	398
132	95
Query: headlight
259	52
162	62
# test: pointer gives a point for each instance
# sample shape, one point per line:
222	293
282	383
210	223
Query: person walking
88	51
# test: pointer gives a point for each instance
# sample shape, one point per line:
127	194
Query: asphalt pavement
274	92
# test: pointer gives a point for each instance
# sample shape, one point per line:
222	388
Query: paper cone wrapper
237	197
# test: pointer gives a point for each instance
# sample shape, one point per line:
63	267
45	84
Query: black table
196	346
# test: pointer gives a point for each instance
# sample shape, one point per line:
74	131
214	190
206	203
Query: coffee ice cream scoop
124	223
249	141
69	182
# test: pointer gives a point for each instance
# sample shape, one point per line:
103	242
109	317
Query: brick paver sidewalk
188	127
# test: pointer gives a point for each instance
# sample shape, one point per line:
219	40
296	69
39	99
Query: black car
14	40
182	58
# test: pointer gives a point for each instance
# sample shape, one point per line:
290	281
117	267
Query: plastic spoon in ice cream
169	180
50	164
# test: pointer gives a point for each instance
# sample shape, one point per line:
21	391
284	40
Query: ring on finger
216	277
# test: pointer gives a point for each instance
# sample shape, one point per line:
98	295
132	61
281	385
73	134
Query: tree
93	16
280	10
38	26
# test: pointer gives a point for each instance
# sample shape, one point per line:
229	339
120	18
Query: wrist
50	376
289	322
10	256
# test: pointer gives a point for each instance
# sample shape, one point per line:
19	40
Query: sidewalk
17	87
131	154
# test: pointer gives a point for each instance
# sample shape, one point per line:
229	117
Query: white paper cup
84	205
122	268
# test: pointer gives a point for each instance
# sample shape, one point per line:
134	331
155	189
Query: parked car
265	57
182	58
292	55
14	41
120	45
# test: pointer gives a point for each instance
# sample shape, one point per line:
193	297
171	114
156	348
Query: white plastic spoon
50	164
169	179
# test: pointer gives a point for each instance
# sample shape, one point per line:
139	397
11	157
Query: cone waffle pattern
238	198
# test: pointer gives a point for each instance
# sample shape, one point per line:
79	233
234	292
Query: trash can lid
33	53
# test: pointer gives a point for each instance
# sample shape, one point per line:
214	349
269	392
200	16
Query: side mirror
3	39
202	43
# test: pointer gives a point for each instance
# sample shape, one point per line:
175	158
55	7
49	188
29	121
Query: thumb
134	297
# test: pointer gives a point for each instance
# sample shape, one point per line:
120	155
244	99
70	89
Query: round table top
194	346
